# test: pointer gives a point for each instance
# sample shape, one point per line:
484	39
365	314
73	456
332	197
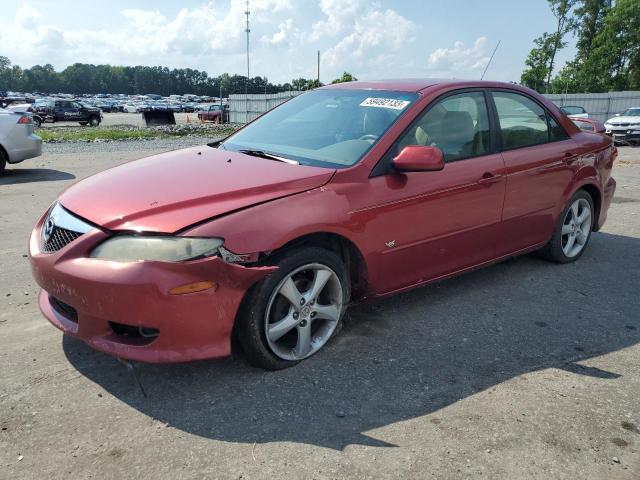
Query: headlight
132	248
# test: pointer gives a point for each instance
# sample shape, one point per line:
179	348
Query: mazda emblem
48	229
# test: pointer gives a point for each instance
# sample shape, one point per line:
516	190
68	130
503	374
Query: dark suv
66	111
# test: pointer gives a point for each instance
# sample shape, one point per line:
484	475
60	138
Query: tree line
607	34
81	78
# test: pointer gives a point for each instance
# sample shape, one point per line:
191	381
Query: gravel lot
521	370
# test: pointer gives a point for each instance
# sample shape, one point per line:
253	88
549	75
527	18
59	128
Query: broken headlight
133	248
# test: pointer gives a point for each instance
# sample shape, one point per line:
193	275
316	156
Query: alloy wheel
576	227
303	311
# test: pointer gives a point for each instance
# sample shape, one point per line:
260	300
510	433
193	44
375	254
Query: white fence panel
244	108
600	106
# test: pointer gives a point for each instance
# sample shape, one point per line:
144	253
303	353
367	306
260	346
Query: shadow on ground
405	356
28	175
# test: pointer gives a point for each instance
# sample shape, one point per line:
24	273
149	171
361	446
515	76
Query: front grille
59	238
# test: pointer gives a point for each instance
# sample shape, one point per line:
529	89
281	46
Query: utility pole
246	85
247	30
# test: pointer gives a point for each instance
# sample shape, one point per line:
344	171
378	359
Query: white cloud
281	35
372	39
458	58
27	17
354	35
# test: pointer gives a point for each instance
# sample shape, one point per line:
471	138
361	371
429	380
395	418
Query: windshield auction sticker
385	103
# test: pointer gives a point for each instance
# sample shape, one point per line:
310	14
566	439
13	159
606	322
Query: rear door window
523	122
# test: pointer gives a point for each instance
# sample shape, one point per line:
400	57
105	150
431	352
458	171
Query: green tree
541	59
538	62
346	77
565	23
582	74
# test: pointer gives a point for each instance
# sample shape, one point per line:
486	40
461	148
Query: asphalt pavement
524	369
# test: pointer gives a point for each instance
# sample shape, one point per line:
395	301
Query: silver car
18	141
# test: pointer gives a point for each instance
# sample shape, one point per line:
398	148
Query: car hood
173	190
616	120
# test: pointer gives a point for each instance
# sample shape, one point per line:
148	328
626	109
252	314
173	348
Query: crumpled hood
617	120
170	191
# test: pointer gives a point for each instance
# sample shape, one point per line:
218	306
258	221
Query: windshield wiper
270	156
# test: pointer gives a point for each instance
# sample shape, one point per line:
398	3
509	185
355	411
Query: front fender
268	226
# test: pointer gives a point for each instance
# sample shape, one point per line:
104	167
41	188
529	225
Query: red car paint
409	228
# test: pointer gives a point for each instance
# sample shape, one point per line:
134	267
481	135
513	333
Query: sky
371	39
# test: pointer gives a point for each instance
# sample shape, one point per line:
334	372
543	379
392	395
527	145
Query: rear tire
310	324
82	123
37	121
573	230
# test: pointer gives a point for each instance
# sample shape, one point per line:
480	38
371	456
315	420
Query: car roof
418	84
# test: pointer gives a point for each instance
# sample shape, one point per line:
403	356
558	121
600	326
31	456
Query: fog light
193	288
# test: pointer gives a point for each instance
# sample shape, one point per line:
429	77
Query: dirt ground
525	369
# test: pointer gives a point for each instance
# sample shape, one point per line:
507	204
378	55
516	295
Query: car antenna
489	62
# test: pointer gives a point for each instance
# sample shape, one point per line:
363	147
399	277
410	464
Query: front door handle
488	178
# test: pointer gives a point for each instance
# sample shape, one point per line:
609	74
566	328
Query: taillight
25	120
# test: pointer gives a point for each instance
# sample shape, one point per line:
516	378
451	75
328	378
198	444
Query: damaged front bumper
126	310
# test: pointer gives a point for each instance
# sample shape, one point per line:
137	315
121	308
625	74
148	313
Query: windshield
326	128
632	112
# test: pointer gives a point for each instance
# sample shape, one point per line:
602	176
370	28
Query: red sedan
348	191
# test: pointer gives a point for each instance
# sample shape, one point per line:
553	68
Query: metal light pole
246	85
247	30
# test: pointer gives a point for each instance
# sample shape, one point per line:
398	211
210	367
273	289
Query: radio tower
247	30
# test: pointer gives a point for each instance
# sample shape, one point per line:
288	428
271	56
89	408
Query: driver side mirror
415	158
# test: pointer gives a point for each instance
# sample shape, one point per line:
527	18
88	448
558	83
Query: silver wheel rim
303	311
576	228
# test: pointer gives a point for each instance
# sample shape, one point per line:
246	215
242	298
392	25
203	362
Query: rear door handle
488	178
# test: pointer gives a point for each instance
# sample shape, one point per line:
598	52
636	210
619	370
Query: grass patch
88	134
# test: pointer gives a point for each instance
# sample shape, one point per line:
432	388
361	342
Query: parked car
20	108
214	113
574	111
625	128
18	142
345	192
67	111
589	125
129	108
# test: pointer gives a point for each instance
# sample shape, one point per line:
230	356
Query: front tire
94	121
573	230
293	313
3	161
